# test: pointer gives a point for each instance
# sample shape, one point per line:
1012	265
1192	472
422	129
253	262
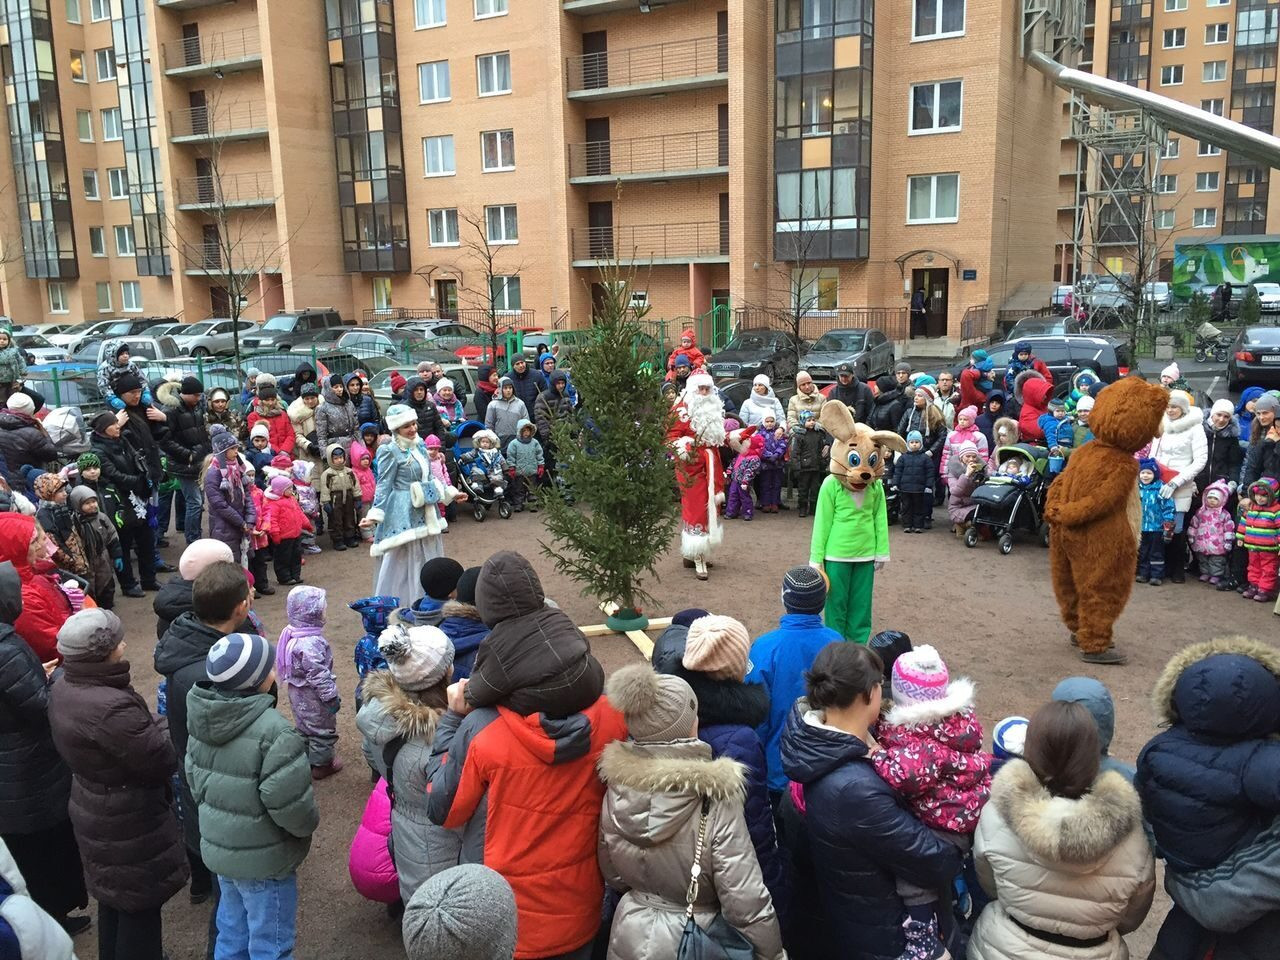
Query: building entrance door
447	299
935	285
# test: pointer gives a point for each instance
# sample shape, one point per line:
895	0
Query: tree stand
633	628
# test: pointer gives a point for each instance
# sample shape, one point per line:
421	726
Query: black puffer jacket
428	416
535	659
34	782
857	396
914	472
336	421
889	404
290	387
24	443
125	470
528	386
551	407
1261	459
186	442
1225	454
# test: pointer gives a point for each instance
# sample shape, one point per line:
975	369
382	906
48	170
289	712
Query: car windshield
31	340
1028	326
1269	288
280	322
840	342
196	329
750	341
88	352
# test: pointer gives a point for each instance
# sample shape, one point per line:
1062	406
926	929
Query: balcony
245	120
226	191
246	258
228	52
188	4
672	156
589	8
657	244
656	68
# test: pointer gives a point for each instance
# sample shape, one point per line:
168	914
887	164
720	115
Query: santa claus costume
696	436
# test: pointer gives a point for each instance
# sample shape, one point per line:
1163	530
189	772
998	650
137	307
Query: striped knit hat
804	590
718	646
919	675
239	661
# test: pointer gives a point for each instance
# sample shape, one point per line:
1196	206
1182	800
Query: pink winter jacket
373	873
957	437
932	756
1212	532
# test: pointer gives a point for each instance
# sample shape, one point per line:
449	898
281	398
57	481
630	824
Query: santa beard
706	418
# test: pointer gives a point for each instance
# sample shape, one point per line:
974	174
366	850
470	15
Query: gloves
541	471
1166	491
334	705
75	595
118	563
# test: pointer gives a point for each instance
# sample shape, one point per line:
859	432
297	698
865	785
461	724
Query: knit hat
335	380
1009	738
444	383
1224	405
399	415
1055	403
21	403
222	439
201	554
87	460
239	661
965	448
687	616
1149	463
277	487
439	577
397	381
47	485
657	707
1085	404
191	386
218	393
902	367
267	393
418	657
970	411
1179	399
467	585
467	912
282	461
889	645
803	377
432	442
260	430
1171	371
309	390
719	647
983	362
929	393
760	379
99	423
919	675
1267	403
90	635
804	590
126	383
914	436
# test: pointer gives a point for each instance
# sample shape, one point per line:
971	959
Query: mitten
74	594
334	705
1166	491
118	563
541	471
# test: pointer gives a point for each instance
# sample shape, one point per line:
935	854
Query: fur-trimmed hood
1227	688
1004	424
456	608
1060	830
1188	421
959	697
404	716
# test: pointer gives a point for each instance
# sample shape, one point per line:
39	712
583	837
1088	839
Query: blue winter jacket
461	623
569	389
914	472
1156	510
1057	433
261	459
779	659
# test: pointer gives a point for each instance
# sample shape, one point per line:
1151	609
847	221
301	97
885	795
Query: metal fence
227	190
653	241
666	153
653	63
229	119
227	47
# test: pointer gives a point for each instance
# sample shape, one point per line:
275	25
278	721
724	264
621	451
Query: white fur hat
700	379
400	415
484	435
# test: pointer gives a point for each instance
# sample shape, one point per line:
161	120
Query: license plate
1271	358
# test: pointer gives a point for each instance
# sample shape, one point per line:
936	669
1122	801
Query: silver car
1268	296
869	352
36	349
212	336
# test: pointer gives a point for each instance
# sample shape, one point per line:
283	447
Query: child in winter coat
284	524
773	461
913	477
809	448
260	542
362	467
340	495
526	466
57	521
447	403
375	614
369	862
961	506
304	666
1212	532
460	622
1057	429
1157	524
688	348
483	463
745	468
966	431
932	756
260	453
303	474
116	364
13	368
1259	532
439	464
101	543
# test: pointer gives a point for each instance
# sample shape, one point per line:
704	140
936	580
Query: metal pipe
1228	134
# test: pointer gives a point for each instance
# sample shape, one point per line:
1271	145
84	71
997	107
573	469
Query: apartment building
442	155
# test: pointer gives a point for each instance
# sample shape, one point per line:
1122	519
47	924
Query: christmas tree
617	513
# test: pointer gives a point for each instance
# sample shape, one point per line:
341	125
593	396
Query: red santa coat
701	481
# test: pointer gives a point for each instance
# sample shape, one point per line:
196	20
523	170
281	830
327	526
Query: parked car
175	330
1107	293
37	349
444	334
80	390
122	327
460	373
751	352
1268	296
477	351
144	350
284	331
1158	293
215	335
869	352
1065	354
1254	358
59	334
1043	326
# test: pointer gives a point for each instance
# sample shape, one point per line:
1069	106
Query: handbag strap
692	893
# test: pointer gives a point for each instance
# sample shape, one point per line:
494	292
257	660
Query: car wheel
199	352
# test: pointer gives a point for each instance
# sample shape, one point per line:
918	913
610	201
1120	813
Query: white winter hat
444	383
21	403
484	435
418	657
399	415
1222	405
1171	371
260	430
1085	404
760	380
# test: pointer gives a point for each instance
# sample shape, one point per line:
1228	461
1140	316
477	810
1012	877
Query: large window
1207	182
1205	217
111	129
1255	27
493	74
99	10
498	150
84	126
937	18
58	302
131	296
1173	6
820	104
97	241
816	200
90	184
1214	70
1208	149
105	60
118	183
935	107
442	227
437	156
1171	76
816	289
124	241
433	81
933	198
1175	37
428	13
500	224
490	8
505	292
1172	147
103	290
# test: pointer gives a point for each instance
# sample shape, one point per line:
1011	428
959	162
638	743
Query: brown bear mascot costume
1095	516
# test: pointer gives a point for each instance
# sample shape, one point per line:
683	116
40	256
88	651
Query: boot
327	770
1108	657
700	568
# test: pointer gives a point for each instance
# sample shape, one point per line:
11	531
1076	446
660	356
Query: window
437	156
1216	33
442	227
111	124
1205	217
131	296
1171	148
816	289
124	241
104	296
73	11
490	8
498	150
90	184
1171	76
1172	6
1256	27
1208	149
1213	106
106	61
493	74
500	224
77	67
1217	3
58	297
428	13
1207	182
433	81
99	10
84	126
97	241
382	294
1175	37
505	292
1164	219
935	107
1214	70
933	198
816	199
934	19
118	183
1167	183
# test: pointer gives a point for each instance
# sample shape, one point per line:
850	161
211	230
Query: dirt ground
993	618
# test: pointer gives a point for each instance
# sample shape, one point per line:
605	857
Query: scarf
232	477
284	648
417	451
484	386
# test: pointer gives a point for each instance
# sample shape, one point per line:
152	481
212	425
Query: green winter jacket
525	457
844	531
249	775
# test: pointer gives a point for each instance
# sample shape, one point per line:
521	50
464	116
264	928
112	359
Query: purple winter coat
960	506
230	510
775	452
304	663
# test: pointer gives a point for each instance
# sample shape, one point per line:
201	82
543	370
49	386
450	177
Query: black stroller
482	494
1007	503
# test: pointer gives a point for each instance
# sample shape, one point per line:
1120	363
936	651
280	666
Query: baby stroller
1006	502
482	494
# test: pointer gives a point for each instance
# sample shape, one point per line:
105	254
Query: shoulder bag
720	940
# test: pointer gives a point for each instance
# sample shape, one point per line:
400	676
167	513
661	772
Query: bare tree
485	253
797	270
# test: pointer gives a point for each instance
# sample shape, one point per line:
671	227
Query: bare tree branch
485	254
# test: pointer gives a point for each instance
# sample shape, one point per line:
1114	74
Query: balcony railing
227	190
678	242
666	154
656	63
230	48
246	118
245	257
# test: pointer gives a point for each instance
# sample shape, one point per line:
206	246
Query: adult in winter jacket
336	419
1262	455
45	607
669	804
35	783
302	415
362	399
973	472
417	396
853	393
890	403
526	381
925	417
23	441
552	406
505	412
804	407
486	389
1183	448
186	444
290	386
121	761
1061	850
129	478
760	401
1222	443
269	410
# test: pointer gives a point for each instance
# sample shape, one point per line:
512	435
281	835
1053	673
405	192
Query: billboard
1197	265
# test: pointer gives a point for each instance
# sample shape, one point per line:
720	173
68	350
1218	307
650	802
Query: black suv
284	331
1065	354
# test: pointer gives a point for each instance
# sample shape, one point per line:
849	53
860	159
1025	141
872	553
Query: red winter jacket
45	608
280	428
971	395
1035	403
284	519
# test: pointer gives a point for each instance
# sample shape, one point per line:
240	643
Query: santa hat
699	379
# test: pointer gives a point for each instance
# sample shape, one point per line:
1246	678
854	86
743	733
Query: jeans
193	517
257	919
129	936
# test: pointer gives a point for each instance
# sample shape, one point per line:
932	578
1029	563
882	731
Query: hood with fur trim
959	697
404	715
1226	688
1060	830
1008	426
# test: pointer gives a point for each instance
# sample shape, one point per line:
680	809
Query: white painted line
1212	385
